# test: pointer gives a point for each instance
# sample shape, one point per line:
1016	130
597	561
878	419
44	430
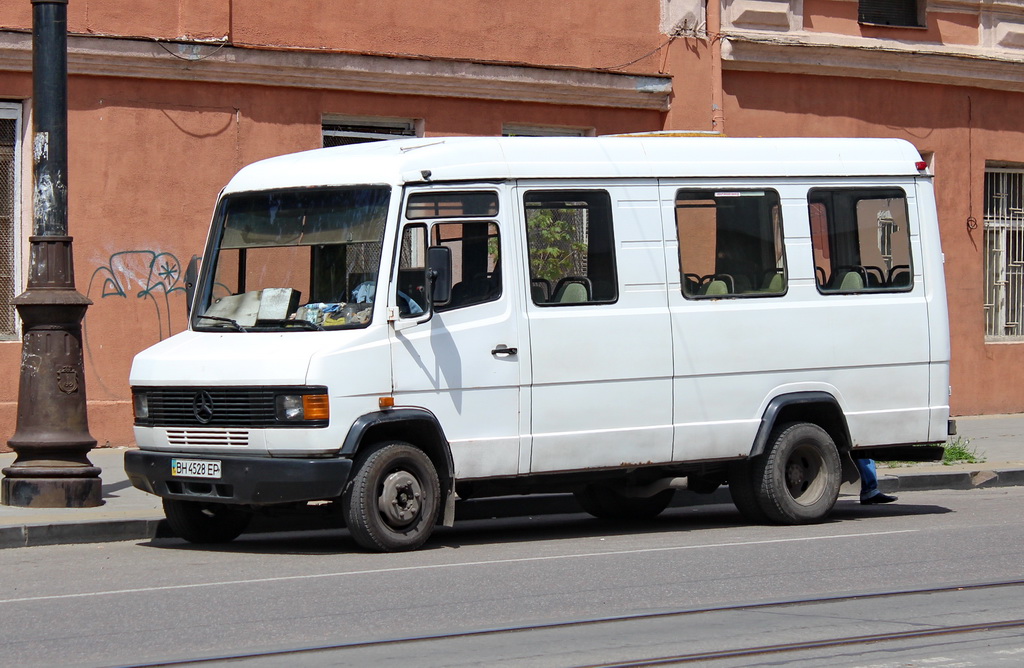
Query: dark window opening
905	13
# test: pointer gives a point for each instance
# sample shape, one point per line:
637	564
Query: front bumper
244	480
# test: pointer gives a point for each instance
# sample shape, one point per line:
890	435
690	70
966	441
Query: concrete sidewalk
130	514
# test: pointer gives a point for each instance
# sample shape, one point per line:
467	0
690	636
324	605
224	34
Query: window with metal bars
903	13
342	131
522	130
1004	253
9	151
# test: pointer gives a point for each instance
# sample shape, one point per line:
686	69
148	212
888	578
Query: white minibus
382	329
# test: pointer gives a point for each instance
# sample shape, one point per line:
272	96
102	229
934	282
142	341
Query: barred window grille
1004	254
522	130
341	131
8	220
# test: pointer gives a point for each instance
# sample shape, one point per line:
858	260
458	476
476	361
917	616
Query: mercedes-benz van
385	328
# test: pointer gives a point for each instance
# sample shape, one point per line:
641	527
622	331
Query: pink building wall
150	148
149	155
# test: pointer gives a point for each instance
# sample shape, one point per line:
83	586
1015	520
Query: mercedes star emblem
202	407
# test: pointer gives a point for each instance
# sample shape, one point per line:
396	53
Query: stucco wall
147	159
935	119
605	34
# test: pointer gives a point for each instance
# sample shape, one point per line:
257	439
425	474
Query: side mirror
191	276
439	274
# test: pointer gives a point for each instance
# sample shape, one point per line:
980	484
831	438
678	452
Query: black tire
741	489
797	480
199	522
392	500
608	504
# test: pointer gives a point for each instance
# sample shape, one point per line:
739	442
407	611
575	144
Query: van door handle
502	349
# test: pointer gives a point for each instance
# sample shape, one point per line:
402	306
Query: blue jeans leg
868	478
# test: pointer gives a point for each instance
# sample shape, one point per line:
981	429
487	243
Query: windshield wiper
234	324
301	324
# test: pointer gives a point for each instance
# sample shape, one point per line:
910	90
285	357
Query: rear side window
730	243
861	240
572	256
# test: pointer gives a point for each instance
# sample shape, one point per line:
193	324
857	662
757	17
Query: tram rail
680	658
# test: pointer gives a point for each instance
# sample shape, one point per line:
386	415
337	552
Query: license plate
195	468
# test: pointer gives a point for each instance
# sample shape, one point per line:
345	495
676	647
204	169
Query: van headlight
302	407
140	405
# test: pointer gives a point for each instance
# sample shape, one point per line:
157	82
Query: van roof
400	161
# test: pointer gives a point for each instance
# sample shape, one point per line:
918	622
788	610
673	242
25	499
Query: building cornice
223	63
845	56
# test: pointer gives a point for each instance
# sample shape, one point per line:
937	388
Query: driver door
463	364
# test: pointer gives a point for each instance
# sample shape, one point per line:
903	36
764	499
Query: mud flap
449	506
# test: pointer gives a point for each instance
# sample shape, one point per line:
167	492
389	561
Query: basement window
522	130
345	130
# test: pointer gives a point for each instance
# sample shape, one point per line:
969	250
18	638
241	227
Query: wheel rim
804	476
400	499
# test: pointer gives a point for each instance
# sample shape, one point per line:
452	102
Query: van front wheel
392	499
797	481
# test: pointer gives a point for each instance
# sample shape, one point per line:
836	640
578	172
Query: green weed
960	451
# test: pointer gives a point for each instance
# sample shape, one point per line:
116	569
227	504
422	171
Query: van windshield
295	259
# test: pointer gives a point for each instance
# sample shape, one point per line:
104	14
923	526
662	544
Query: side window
571	247
412	263
861	240
476	264
730	243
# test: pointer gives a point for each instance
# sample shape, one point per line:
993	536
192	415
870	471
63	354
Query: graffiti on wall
142	274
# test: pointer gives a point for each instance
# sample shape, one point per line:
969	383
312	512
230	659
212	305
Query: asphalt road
680	586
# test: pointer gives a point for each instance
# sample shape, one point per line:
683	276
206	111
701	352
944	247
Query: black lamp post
52	437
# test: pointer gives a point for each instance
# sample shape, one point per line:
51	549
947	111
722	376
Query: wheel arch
418	427
820	408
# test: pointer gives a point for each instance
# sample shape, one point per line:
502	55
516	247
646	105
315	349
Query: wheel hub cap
803	476
400	498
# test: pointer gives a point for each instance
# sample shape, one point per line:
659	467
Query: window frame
531	130
870	10
563	194
779	238
363	129
871	191
1003	290
10	110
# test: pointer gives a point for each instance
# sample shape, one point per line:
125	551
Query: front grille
219	407
208	437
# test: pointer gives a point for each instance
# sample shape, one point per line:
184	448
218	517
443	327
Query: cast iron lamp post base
52	437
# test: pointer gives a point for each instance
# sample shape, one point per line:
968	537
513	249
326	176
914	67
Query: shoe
878	498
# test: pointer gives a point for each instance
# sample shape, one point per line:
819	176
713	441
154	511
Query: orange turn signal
316	407
386	402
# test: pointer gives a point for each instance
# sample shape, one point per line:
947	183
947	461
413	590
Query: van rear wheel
609	504
199	522
797	481
392	499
